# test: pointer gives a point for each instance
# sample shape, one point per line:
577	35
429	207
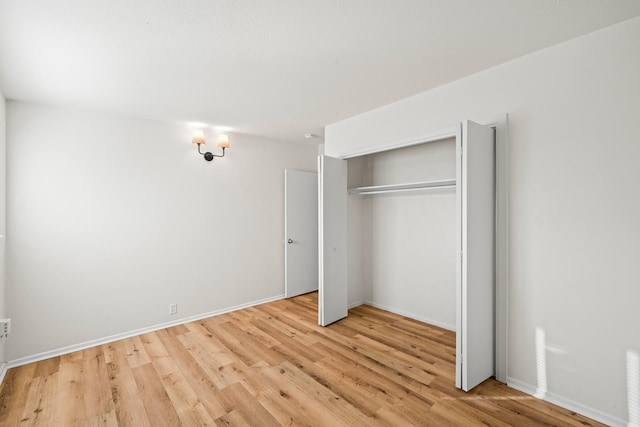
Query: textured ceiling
277	68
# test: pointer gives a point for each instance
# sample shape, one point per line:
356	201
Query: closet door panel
476	265
332	239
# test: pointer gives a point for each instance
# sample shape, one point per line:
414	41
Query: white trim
100	341
284	238
320	238
458	255
3	371
411	315
568	404
355	304
439	135
502	246
446	133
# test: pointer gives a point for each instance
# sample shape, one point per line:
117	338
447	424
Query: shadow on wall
633	387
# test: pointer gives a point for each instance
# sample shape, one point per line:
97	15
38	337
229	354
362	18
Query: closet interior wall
402	245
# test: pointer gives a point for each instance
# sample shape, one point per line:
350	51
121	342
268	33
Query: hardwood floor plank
222	375
159	408
129	408
380	352
248	349
432	333
13	396
239	399
460	414
32	412
354	355
136	354
71	391
388	356
299	315
96	391
233	344
270	365
385	386
396	416
308	397
107	419
288	327
286	410
49	400
179	329
189	408
208	343
381	380
356	391
288	345
200	382
47	367
233	418
408	344
322	397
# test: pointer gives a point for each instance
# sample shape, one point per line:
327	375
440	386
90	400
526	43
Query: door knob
289	241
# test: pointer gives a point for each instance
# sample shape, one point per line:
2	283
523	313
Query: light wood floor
265	366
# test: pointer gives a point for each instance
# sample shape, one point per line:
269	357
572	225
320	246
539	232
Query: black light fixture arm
208	156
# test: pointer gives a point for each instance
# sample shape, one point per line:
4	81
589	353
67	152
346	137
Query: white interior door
300	232
332	239
475	270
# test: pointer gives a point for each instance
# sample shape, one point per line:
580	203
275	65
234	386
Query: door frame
501	125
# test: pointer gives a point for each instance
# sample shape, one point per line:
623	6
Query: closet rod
401	190
394	188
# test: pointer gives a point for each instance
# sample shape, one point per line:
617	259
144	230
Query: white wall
112	219
2	218
574	148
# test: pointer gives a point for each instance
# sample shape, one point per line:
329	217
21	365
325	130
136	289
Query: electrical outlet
173	308
5	327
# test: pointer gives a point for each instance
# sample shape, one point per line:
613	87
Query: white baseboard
411	315
568	404
100	341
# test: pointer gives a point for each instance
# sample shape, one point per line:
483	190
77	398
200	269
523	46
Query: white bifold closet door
332	240
475	293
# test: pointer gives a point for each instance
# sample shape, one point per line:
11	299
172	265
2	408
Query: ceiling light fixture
198	138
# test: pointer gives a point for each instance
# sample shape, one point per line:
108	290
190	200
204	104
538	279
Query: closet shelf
394	188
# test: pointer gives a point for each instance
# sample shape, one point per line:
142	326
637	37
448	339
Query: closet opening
401	227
